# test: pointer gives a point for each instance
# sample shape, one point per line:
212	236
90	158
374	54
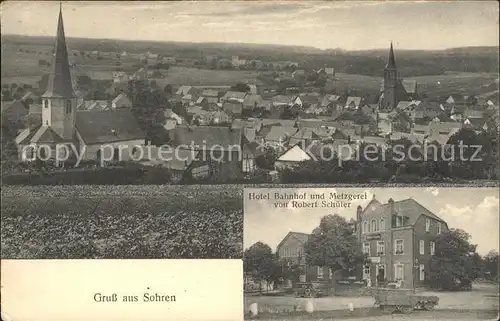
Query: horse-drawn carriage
402	300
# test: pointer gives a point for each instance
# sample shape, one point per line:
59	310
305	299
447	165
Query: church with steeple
61	123
394	88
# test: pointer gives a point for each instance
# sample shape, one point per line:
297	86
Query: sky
336	24
475	210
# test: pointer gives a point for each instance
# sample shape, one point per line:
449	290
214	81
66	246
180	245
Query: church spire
391	62
59	83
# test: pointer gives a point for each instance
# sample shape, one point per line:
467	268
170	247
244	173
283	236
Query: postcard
132	130
335	253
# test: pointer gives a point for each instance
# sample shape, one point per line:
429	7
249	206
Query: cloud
433	190
480	221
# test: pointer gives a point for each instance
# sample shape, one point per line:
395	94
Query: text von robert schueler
147	296
308	199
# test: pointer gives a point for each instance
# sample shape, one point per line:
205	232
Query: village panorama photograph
230	92
129	129
422	253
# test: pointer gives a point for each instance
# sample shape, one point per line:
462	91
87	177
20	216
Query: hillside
367	62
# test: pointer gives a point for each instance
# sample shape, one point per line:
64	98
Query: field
22	67
104	222
435	85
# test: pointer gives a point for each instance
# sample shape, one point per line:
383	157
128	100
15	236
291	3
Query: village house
399	239
292	157
291	249
233	96
331	102
233	108
202	102
327	72
286	100
218	151
120	77
279	136
353	103
211	95
299	74
93	105
61	123
178	162
252	101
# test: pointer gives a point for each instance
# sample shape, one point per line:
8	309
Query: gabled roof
45	135
122	100
280	133
210	93
356	101
301	237
328	99
444	126
108	126
408	207
59	82
252	100
294	154
411	137
234	95
232	107
283	99
15	105
275	122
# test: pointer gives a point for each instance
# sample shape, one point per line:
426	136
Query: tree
455	263
168	89
84	81
333	244
267	159
491	265
241	87
260	263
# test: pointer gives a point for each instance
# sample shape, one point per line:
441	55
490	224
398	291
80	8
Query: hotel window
427	225
366	272
374	226
68	107
422	247
399	247
366	248
433	248
399	272
380	248
320	272
399	221
382	225
365	227
422	272
439	227
330	273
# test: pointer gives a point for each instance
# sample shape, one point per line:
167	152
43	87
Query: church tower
59	101
390	82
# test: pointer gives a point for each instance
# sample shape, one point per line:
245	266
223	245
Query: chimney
391	204
359	210
358	223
